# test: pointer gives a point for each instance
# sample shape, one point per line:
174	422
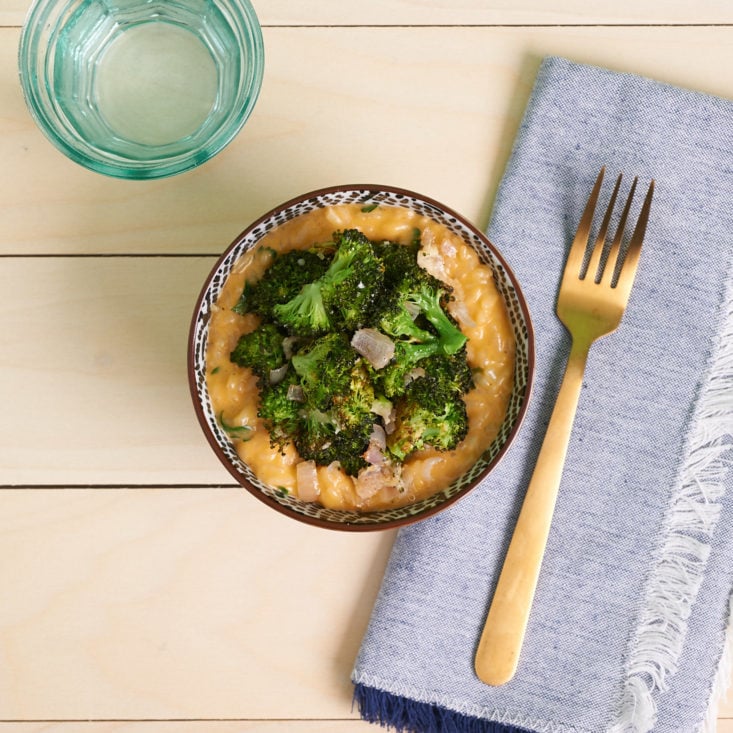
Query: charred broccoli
306	313
280	409
356	280
413	315
324	368
320	440
421	292
449	374
397	258
415	295
353	406
316	391
288	273
343	297
393	379
427	417
261	350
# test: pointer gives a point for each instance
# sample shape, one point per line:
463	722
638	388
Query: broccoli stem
451	338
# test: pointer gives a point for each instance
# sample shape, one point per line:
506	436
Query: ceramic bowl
523	367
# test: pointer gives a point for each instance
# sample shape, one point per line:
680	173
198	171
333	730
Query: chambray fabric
627	450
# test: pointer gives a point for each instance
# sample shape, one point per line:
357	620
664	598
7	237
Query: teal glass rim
36	49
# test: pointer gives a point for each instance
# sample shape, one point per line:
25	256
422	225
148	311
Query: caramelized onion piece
374	454
295	393
277	375
289	344
374	346
306	475
378	436
414	374
412	308
460	312
385	477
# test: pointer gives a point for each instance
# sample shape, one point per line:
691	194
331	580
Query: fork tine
576	256
627	272
614	260
598	247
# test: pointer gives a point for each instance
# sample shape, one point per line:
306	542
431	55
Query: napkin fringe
405	715
684	548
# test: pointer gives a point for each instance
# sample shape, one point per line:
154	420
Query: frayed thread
410	716
685	542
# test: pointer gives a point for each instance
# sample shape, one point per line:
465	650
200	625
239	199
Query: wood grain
94	386
462	12
460	92
140	604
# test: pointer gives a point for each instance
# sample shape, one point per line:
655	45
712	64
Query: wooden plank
94	386
427	12
185	726
185	604
725	709
498	12
137	605
457	95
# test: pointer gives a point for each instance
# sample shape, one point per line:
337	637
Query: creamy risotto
477	307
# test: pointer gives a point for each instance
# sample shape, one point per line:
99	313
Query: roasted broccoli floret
353	406
280	410
343	297
315	436
420	290
322	441
413	316
282	281
449	373
324	368
340	433
392	380
305	314
354	281
415	295
398	259
261	350
351	443
399	323
427	417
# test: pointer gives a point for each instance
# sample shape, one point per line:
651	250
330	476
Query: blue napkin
628	627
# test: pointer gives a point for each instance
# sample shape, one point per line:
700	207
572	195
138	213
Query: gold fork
591	301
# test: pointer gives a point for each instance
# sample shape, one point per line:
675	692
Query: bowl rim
409	518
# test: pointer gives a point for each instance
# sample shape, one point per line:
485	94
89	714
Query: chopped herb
369	207
235	431
282	491
215	370
415	236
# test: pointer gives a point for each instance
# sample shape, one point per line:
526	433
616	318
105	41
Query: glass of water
141	88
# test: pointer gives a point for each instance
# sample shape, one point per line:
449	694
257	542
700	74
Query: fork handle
501	640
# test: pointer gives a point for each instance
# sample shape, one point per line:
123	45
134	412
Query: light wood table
142	592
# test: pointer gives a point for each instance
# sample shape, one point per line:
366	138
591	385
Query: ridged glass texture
141	88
